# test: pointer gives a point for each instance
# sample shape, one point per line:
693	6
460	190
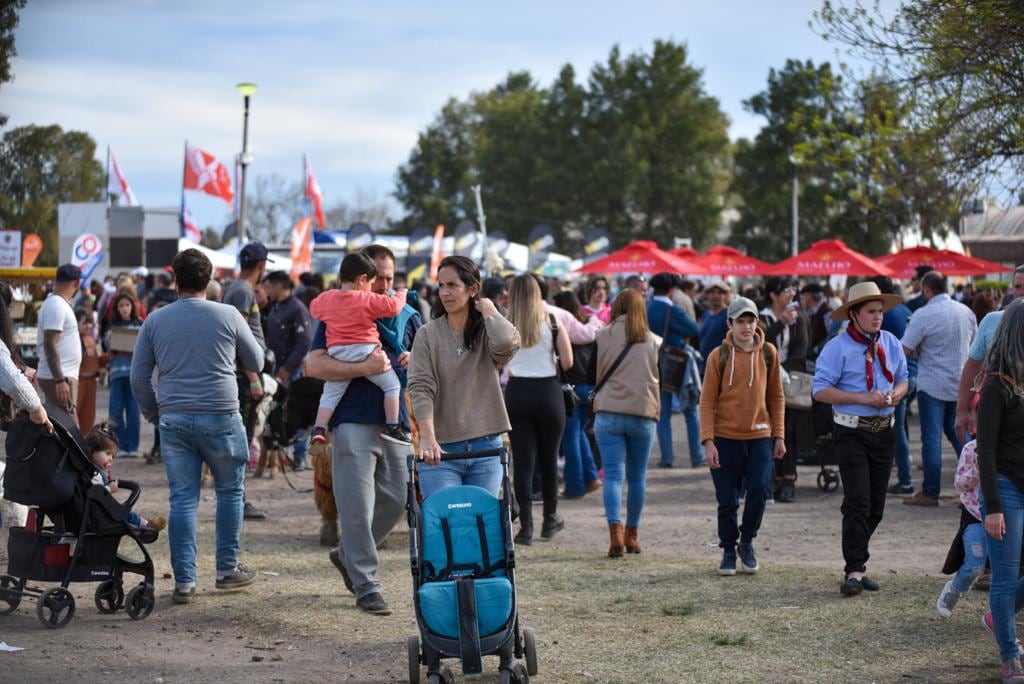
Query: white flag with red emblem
315	195
117	184
206	173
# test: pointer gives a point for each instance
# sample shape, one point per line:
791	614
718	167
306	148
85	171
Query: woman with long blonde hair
626	409
536	408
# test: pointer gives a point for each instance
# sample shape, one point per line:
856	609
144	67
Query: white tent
226	259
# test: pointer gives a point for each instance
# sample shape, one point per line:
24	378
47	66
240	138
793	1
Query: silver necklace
459	347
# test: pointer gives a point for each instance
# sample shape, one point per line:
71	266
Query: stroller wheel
56	607
530	650
828	480
109	596
516	673
139	603
10	593
413	645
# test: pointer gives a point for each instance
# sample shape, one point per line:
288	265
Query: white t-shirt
57	314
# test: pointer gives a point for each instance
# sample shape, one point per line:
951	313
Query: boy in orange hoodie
742	427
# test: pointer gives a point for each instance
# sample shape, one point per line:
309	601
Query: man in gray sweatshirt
194	346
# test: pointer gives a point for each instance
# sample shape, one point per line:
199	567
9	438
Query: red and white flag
206	173
302	248
315	195
189	229
117	184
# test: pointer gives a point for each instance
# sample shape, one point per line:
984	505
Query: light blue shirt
940	332
983	340
841	365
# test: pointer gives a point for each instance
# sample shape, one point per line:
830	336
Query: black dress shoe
869	584
524	537
851	586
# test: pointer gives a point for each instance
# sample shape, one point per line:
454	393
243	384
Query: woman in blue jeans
627	407
1001	469
453	381
124	411
580	472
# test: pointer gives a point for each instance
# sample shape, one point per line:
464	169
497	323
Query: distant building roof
997	234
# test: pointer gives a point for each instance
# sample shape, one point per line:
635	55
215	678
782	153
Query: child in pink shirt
350	316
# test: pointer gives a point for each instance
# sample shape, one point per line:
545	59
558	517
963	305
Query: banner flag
206	173
117	184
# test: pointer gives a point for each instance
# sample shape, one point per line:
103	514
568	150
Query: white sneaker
947	600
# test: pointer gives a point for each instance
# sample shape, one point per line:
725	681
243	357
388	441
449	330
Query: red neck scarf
873	349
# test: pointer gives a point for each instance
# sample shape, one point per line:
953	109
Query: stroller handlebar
133	487
459	455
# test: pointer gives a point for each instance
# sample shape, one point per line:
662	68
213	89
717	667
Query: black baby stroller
85	526
463	574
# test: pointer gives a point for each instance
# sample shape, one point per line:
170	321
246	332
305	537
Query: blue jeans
579	461
937	417
1006	595
692	418
974	558
625	443
124	411
744	463
482	472
902	451
187	441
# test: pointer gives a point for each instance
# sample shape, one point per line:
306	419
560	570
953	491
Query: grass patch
730	639
679	610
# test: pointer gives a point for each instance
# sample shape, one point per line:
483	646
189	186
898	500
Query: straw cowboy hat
865	292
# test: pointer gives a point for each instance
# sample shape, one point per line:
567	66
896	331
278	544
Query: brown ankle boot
616	544
631	540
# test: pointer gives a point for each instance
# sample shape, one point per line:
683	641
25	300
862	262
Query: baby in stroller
102	446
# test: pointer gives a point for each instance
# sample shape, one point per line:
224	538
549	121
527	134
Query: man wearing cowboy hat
863	374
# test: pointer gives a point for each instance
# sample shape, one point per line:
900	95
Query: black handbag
671	362
568	390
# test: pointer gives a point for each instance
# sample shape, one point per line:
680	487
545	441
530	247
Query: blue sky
350	84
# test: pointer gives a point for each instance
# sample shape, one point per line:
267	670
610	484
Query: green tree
40	167
799	101
8	22
642	150
959	63
434	185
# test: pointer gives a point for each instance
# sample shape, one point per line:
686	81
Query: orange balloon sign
31	246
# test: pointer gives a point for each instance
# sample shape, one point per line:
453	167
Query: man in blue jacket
369	474
674	326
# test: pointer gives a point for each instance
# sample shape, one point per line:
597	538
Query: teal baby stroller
463	575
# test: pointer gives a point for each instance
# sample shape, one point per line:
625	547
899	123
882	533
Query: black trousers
865	463
537	413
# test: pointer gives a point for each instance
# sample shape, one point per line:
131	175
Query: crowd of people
579	382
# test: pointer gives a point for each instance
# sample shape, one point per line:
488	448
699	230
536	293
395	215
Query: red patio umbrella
830	257
727	261
688	253
905	262
642	256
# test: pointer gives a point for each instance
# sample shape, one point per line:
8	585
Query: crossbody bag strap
614	367
554	344
668	319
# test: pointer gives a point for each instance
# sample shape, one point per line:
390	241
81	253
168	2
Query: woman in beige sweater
453	381
626	413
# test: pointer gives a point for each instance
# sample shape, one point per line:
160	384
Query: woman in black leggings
535	405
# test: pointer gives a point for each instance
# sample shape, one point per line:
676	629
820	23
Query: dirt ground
662	616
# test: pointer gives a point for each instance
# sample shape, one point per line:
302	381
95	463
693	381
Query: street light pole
246	89
795	160
482	219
